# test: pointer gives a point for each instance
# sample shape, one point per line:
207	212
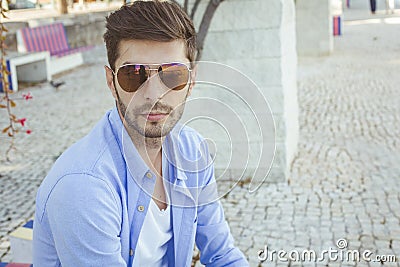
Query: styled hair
153	20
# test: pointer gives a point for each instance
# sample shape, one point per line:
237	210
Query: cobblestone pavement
345	178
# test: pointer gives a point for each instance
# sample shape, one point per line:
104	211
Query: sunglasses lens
131	77
175	75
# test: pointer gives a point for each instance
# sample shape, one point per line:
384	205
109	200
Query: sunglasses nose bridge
153	89
152	72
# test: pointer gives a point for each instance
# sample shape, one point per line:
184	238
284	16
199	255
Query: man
139	189
372	6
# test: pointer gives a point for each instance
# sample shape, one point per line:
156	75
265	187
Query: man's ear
110	81
192	80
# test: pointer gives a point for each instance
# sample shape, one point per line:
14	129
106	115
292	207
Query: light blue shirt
91	206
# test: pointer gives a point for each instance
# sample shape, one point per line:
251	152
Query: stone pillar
256	37
314	27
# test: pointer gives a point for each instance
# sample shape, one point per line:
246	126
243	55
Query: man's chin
150	129
151	133
155	132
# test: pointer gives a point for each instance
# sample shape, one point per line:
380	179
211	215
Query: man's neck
150	150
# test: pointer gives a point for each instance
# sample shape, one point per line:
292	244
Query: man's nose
153	89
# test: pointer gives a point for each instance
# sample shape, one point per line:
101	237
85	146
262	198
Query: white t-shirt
153	238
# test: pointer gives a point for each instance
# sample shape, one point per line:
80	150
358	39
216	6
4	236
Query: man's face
154	109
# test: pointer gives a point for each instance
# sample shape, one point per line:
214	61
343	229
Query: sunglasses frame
115	74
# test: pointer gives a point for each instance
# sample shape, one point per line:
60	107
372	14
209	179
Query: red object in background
27	96
22	121
337	27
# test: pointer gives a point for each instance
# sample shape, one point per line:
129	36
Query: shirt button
149	175
140	208
131	252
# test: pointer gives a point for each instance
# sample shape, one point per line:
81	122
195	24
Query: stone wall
11	39
314	27
257	38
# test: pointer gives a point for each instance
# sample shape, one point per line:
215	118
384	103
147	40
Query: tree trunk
63	6
194	9
205	25
186	6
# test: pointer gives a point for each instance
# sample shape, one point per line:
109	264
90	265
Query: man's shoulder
94	157
93	150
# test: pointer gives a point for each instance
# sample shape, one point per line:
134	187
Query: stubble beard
149	133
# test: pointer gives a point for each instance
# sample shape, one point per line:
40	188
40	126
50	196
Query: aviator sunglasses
174	76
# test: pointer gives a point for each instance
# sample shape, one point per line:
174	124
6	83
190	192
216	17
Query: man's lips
155	116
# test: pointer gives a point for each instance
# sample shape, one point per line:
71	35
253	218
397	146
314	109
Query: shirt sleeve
213	237
85	220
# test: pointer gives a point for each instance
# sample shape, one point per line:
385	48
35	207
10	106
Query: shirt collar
134	161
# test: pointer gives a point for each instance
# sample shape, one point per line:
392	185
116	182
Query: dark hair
154	20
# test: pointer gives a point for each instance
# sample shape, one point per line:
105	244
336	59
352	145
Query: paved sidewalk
345	179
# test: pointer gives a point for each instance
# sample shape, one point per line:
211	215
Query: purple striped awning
14	264
51	37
